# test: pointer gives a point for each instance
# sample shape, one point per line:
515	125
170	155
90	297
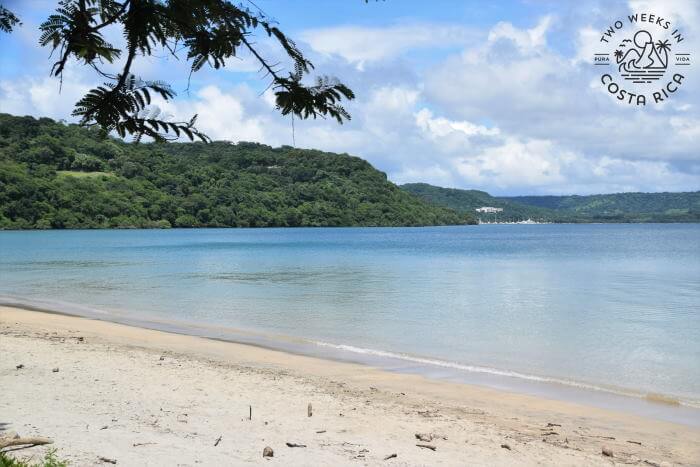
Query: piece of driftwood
295	445
390	456
426	446
107	460
6	442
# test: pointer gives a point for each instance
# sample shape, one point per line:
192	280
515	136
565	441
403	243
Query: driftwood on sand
13	439
426	446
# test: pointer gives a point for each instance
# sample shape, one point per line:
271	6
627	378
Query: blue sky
499	96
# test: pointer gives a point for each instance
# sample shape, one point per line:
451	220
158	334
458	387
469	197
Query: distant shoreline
347	226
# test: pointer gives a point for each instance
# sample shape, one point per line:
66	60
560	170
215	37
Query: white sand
114	397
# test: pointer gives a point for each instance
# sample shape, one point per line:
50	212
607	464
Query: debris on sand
427	446
295	445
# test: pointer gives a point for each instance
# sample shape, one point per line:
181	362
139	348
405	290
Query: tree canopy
206	32
64	176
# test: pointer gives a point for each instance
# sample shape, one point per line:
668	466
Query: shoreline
653	405
100	376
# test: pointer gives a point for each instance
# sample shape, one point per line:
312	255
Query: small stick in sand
107	460
250	412
427	446
218	440
295	445
506	446
390	456
309	410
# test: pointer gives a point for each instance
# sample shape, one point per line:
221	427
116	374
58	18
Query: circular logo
644	58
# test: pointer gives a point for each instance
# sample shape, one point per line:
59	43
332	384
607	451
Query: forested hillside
54	175
619	207
467	201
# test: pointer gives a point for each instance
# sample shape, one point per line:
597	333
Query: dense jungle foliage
54	175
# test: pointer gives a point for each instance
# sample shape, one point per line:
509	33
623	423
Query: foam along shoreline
652	405
150	397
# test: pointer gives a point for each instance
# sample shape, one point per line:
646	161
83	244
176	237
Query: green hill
619	207
467	201
54	175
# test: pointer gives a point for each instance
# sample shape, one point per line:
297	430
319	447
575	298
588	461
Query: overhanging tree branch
212	31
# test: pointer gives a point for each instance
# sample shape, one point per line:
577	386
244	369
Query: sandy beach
143	397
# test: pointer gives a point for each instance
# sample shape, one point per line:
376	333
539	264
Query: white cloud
587	44
360	45
683	12
516	163
41	97
526	40
686	128
442	127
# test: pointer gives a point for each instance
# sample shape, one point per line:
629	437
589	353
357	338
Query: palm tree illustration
663	46
618	55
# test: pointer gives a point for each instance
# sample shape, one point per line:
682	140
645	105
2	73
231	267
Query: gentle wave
652	397
53	306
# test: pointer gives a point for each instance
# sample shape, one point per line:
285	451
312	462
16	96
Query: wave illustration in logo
645	60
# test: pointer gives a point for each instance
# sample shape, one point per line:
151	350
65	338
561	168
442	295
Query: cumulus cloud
44	97
360	44
223	115
527	40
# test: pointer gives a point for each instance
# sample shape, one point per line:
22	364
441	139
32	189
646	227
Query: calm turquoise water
612	307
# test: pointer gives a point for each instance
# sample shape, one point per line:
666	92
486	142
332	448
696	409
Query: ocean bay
605	306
